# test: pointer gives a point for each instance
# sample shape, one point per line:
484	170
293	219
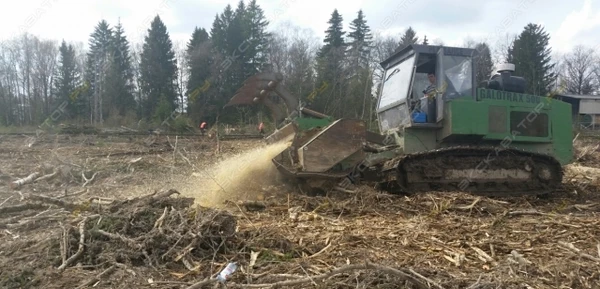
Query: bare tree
559	70
45	56
182	73
292	52
25	63
469	42
383	47
136	51
278	51
501	47
579	71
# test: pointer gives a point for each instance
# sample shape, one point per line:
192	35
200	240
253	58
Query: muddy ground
122	212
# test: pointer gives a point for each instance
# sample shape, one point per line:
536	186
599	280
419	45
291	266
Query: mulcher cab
490	138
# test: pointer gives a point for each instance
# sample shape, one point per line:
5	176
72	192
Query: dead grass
368	239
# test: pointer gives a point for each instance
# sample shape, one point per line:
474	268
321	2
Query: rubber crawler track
422	166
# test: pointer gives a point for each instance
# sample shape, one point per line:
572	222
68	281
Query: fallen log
26	180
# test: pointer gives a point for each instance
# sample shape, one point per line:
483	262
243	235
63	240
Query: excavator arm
258	88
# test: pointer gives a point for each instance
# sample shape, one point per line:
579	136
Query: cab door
440	85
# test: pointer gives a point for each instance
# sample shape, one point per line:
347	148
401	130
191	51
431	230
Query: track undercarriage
485	171
481	171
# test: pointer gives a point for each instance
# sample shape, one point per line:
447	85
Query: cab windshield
397	82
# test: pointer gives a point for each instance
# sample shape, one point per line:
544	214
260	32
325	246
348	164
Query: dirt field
124	213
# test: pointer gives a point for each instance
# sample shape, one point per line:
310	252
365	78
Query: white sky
569	22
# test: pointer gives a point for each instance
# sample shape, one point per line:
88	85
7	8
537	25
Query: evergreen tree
67	80
220	79
158	69
530	53
199	36
240	46
330	60
425	40
198	67
120	83
360	81
334	37
409	37
217	32
360	40
98	64
257	38
483	63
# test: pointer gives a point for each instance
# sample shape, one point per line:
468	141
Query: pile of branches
155	231
163	233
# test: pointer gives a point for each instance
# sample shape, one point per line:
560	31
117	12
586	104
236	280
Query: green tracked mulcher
438	131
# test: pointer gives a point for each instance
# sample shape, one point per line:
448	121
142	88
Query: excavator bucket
258	88
248	92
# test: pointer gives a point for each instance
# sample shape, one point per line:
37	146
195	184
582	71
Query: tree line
114	82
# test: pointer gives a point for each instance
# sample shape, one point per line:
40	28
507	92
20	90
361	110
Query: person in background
261	129
203	127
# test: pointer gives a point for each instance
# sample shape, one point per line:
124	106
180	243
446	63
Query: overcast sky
569	22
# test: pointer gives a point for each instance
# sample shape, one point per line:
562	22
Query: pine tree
120	84
409	37
67	81
217	33
483	63
530	53
425	40
258	37
360	73
98	63
198	66
330	61
158	69
334	37
199	36
360	39
240	45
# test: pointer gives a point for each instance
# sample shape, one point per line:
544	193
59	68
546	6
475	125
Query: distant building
585	109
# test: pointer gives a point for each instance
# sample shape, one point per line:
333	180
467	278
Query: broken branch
572	248
87	181
53	201
26	180
98	277
46	177
79	250
131	243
